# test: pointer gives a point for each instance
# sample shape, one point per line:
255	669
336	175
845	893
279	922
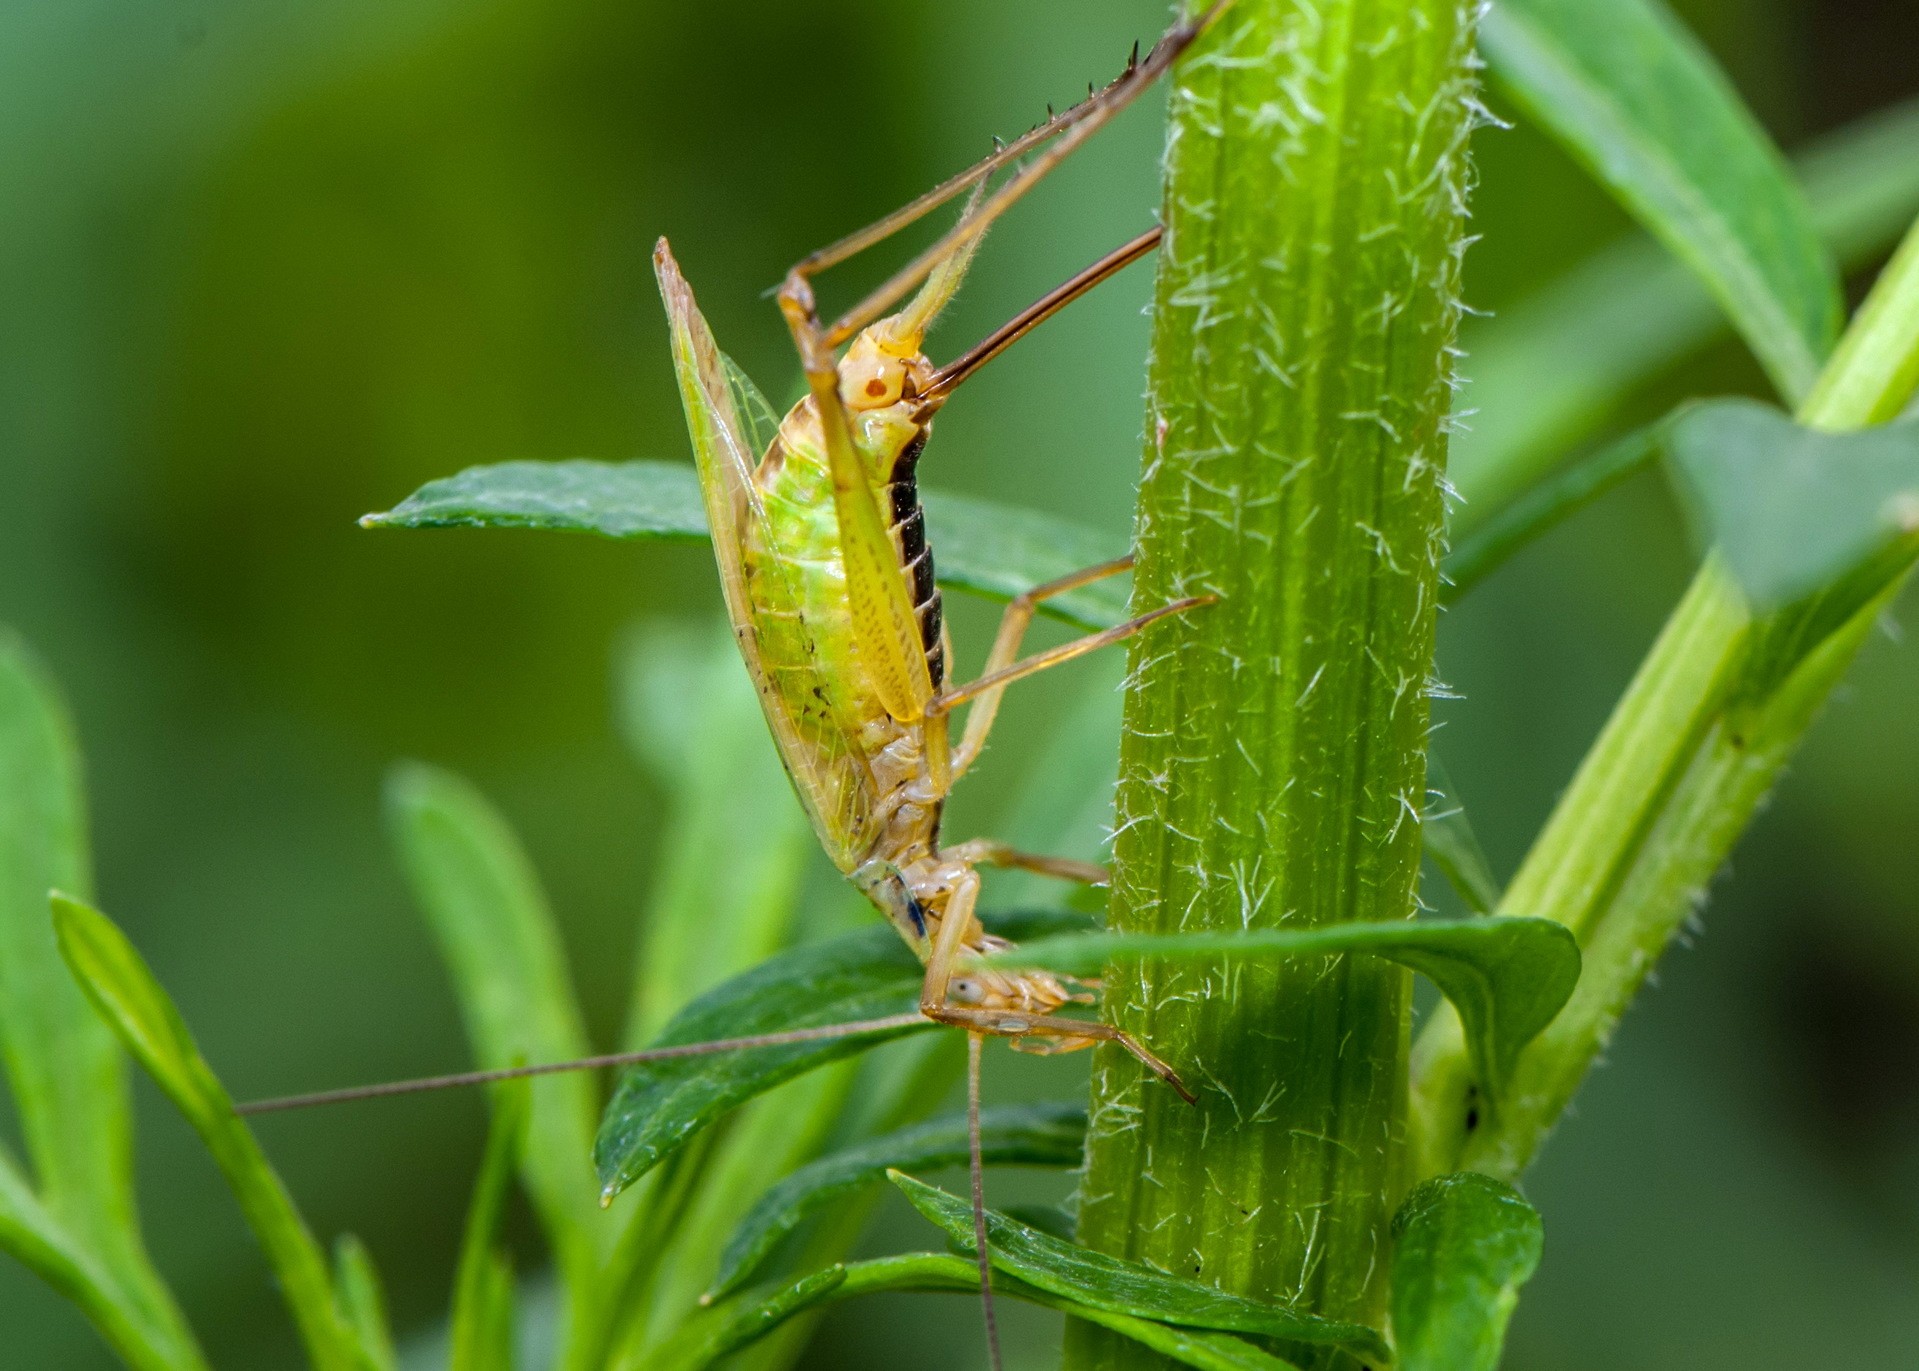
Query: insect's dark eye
876	387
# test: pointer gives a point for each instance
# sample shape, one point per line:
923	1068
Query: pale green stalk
1273	769
1697	741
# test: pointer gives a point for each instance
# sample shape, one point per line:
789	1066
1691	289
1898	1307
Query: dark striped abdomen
916	558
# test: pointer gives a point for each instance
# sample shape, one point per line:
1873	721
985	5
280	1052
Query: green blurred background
265	267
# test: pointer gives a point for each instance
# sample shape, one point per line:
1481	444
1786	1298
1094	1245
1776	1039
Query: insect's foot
1156	1066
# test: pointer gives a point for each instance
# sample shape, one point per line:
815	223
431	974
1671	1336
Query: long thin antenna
651	1054
948	378
974	1043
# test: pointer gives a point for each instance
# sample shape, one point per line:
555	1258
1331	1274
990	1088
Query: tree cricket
828	581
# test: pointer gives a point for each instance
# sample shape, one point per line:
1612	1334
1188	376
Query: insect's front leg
1067	132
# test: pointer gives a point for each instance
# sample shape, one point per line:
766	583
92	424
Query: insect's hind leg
1070	1035
1004	1023
1066	131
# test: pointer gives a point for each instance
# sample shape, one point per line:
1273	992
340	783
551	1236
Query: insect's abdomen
796	578
916	558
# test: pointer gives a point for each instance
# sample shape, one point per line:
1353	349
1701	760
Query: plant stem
1700	737
1273	767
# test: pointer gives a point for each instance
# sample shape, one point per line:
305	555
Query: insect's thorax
796	575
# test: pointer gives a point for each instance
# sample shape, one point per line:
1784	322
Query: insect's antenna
791	1036
974	1043
949	377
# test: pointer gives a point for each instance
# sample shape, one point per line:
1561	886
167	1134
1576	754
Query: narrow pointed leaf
1544	507
727	876
1049	1219
991	549
1103	1282
1794	510
68	1078
496	934
363	1299
34	1238
1451	843
1507	977
1022	1135
1463	1245
709	1338
1548	370
865	975
478	1288
1000	551
122	987
1635	97
610	499
726	1330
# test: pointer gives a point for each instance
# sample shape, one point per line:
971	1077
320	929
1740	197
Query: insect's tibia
786	1038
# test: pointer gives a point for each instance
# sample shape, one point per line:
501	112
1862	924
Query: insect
828	582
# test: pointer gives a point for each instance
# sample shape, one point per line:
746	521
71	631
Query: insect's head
885	365
880	370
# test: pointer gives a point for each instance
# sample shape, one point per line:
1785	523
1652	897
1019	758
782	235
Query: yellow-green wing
832	781
886	629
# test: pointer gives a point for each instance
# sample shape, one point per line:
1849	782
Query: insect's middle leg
990	853
1006	644
991	685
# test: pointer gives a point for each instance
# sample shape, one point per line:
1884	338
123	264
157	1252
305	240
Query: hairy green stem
1691	750
1273	765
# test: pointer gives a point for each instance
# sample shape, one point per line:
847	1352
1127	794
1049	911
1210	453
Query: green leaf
870	974
1022	1135
1463	1245
766	1138
1551	367
1451	843
1633	95
726	1330
1541	508
991	549
611	499
1047	1218
122	987
1099	1281
1506	976
68	1078
36	1240
484	904
484	1278
727	875
363	1298
1791	509
708	1339
1000	551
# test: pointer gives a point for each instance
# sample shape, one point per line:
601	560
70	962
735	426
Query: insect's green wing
720	402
